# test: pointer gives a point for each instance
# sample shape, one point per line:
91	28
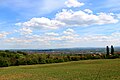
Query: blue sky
42	24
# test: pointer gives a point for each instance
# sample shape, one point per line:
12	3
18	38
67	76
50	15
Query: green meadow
102	69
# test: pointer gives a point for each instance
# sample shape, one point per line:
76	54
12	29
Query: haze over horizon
47	24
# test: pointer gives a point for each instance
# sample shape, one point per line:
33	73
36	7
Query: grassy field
79	70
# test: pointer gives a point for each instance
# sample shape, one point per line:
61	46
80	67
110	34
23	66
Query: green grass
79	70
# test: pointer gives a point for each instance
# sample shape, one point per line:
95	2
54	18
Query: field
102	69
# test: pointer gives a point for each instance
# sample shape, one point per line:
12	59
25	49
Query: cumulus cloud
69	31
70	18
25	31
80	18
69	36
88	11
42	23
73	3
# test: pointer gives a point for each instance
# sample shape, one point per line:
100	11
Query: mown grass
104	69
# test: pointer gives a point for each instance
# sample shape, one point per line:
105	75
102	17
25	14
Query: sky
48	24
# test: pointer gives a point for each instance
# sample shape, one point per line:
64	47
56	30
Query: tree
107	50
112	50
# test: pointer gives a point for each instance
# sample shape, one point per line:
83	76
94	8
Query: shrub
75	58
4	62
43	61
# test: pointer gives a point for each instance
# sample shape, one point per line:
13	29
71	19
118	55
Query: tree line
15	58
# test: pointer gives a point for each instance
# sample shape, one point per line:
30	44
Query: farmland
102	69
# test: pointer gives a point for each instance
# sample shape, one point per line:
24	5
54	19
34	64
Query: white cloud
69	18
96	38
42	23
52	34
102	40
25	31
31	39
88	11
3	34
69	31
68	35
80	18
73	3
116	34
118	16
16	40
26	43
68	38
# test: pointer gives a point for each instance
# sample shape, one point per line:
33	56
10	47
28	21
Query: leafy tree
112	50
107	50
4	62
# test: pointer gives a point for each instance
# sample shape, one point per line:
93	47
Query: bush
75	58
22	61
49	61
66	58
43	61
4	62
113	56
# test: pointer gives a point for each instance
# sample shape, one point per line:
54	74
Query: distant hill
67	50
